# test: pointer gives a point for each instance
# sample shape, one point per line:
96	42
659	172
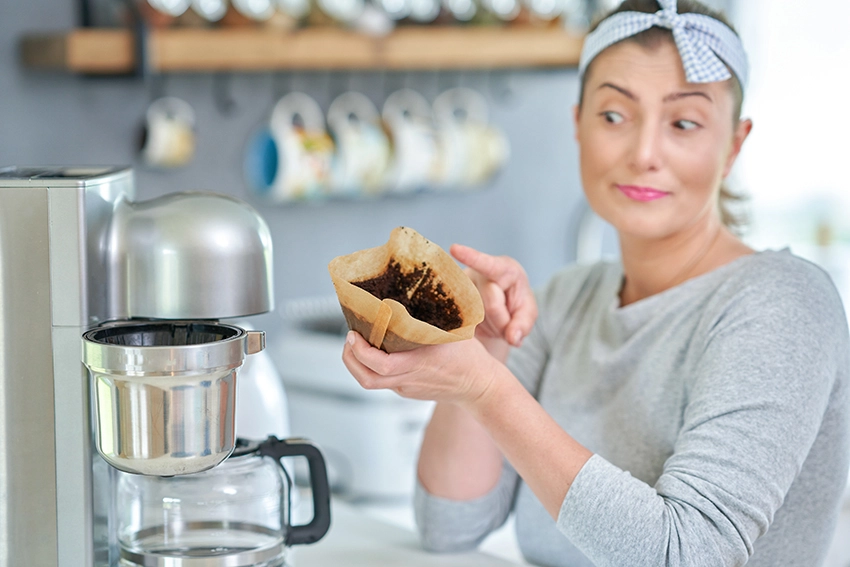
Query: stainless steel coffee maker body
53	222
77	252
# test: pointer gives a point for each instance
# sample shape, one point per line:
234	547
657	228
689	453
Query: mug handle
318	526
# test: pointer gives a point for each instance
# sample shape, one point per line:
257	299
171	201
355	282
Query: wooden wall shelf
111	51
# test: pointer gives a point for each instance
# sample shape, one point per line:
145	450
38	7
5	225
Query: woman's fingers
456	372
495	307
368	378
463	254
508	299
374	369
500	269
523	308
377	362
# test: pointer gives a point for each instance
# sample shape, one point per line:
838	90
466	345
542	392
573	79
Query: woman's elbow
436	540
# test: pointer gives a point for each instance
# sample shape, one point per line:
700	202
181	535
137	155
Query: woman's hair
734	220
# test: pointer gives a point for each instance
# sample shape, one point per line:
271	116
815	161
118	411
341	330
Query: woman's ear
743	130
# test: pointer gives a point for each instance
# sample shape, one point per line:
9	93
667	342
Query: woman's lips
642	193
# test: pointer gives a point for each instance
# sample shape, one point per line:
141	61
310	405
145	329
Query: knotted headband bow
706	46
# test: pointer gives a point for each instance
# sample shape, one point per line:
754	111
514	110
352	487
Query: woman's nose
646	153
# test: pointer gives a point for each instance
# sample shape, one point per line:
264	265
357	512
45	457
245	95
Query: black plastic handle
318	526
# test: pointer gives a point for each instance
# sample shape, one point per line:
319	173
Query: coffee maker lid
192	255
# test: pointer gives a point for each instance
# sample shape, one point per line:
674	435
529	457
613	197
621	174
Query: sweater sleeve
453	525
762	382
460	525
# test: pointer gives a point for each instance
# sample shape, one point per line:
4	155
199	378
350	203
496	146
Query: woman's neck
653	266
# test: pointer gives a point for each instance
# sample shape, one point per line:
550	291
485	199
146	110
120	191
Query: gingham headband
706	46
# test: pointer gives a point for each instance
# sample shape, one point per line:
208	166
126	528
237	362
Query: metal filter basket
164	393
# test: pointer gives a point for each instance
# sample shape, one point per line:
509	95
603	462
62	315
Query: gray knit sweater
717	412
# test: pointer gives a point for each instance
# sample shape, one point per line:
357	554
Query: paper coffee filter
387	324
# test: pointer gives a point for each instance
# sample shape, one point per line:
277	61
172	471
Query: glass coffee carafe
235	514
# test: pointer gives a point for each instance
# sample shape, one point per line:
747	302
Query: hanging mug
261	161
546	10
471	150
290	157
168	134
254	10
161	13
424	11
298	10
210	10
502	10
304	148
362	148
395	9
342	11
407	116
461	10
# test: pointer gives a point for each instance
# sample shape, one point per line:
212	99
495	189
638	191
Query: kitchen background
532	209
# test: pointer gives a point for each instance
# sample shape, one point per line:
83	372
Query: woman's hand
460	372
509	305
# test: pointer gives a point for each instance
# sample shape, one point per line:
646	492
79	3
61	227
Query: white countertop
356	539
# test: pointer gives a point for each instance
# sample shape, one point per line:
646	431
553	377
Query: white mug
172	8
256	10
305	150
169	133
471	150
210	10
295	9
407	116
362	148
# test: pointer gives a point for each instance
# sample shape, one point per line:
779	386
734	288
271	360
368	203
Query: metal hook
499	86
324	79
222	93
407	79
393	82
382	84
447	80
430	84
156	85
338	83
281	85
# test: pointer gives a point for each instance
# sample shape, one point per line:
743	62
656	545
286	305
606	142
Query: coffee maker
81	263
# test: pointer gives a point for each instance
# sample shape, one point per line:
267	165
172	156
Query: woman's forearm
458	459
546	457
463	448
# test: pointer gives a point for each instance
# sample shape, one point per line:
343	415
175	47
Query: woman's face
654	148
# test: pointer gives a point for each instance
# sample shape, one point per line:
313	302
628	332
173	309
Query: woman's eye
612	117
686	124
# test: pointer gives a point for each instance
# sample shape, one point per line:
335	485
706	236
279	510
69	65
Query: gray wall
528	211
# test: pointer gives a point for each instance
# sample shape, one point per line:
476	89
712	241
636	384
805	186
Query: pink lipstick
641	193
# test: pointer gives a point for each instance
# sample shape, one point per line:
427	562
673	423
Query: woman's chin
643	226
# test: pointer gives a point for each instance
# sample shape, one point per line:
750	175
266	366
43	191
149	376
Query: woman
687	406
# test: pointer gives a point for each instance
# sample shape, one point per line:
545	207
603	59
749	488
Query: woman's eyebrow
681	95
620	90
669	98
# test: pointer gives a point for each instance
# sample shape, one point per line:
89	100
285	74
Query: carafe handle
318	526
